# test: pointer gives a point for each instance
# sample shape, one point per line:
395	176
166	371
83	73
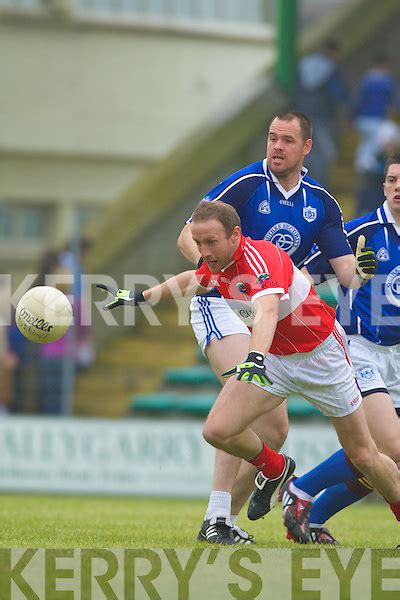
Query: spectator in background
8	360
24	391
8	364
71	259
319	93
52	356
386	142
60	360
376	95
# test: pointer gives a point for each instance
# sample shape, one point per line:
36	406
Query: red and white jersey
259	268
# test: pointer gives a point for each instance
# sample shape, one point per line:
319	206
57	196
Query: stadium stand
126	227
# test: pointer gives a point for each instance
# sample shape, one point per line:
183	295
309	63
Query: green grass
72	522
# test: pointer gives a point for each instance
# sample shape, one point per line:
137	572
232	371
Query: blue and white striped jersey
373	311
292	220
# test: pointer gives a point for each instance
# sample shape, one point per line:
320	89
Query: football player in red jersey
296	346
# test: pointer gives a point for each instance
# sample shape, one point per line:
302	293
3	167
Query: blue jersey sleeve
318	264
332	239
365	225
238	188
236	192
353	236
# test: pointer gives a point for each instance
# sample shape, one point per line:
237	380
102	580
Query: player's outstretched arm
182	284
120	297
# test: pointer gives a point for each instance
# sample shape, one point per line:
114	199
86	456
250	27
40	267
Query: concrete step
174	402
196	375
133	363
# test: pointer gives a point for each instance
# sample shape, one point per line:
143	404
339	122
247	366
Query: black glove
366	262
251	371
121	297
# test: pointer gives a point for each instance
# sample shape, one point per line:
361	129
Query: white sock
234	519
302	495
219	505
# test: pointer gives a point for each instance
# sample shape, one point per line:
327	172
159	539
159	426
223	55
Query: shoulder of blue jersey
364	225
255	169
235	188
318	189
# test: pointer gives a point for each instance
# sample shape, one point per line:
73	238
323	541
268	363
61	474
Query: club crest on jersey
241	287
263	277
366	374
264	207
285	236
309	213
392	286
383	254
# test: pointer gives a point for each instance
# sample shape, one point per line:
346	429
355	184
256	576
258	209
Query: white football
43	314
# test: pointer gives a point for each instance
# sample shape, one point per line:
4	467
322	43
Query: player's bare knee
214	434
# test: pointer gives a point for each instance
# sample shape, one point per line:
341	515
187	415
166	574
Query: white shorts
377	367
324	376
212	317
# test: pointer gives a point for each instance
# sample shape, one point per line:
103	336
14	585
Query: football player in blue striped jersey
371	319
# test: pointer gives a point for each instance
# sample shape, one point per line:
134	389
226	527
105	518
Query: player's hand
120	297
251	371
366	262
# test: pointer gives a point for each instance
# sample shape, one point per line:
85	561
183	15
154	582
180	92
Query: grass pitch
83	522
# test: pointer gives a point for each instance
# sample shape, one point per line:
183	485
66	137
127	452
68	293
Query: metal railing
17	5
232	11
229	12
